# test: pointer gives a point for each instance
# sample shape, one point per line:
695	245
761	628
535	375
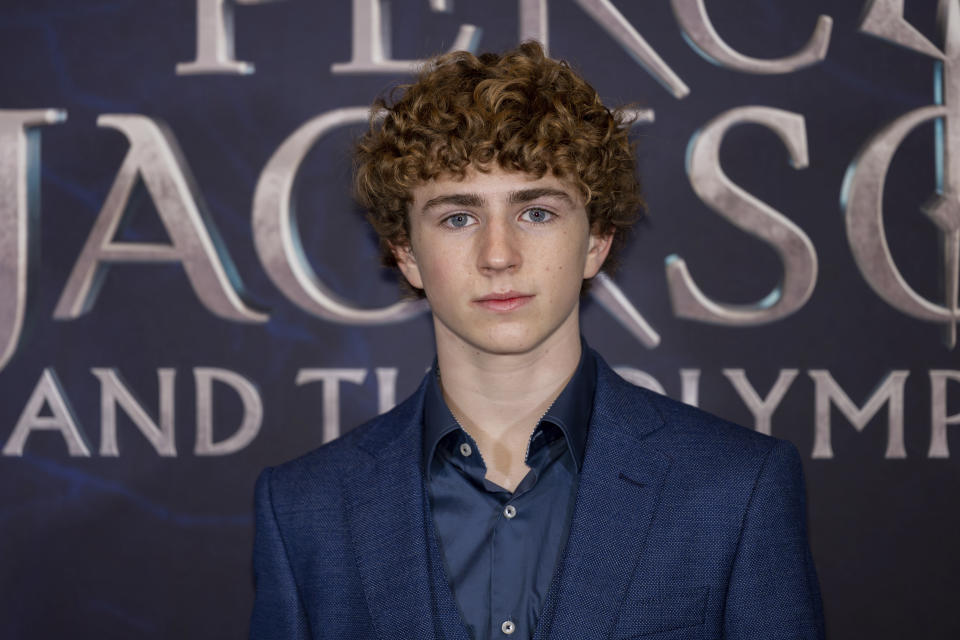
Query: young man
524	490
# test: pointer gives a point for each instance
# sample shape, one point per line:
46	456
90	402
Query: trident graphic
862	197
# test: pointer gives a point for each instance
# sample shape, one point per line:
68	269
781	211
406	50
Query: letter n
114	392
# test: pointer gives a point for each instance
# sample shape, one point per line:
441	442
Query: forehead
495	184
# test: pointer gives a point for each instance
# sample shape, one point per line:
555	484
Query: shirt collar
570	412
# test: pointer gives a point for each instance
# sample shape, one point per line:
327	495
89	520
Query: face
501	257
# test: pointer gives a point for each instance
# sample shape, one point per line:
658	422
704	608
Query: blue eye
537	215
458	220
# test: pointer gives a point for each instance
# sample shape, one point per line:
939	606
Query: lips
506	301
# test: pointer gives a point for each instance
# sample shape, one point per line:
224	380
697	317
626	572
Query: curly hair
522	110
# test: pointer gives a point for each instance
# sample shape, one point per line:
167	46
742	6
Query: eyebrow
457	199
528	195
516	197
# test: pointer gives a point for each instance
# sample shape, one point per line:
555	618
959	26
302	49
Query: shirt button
508	627
465	449
509	511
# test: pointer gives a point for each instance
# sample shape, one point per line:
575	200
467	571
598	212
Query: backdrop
187	293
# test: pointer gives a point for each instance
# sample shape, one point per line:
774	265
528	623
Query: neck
499	398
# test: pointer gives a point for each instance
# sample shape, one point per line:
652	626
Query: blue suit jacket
685	526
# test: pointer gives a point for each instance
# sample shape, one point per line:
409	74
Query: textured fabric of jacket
685	527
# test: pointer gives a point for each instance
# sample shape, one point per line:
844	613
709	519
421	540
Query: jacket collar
570	412
407	592
618	494
403	579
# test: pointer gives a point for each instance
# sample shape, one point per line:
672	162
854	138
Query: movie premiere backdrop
188	293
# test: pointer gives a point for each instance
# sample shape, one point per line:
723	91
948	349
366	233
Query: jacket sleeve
773	592
277	609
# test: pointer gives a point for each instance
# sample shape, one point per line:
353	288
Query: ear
407	262
597	251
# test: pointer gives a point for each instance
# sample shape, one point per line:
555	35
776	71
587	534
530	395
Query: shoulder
687	426
686	434
714	464
328	463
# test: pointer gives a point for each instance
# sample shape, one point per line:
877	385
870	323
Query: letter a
155	156
49	392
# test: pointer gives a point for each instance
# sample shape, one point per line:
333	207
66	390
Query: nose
499	247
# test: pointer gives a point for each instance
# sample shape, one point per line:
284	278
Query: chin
508	340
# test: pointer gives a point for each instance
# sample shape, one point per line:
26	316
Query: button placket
503	605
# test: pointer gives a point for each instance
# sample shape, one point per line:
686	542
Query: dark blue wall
146	546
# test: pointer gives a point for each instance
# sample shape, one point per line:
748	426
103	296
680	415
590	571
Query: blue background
150	547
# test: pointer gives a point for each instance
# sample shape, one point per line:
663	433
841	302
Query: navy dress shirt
500	549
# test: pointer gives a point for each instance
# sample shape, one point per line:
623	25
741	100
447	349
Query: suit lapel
619	490
386	505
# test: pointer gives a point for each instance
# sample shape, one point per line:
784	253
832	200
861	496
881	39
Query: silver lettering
716	190
215	39
114	392
331	379
534	23
690	386
204	378
612	21
884	19
863	203
278	242
386	388
700	34
640	379
371	40
939	420
47	392
862	193
609	296
761	408
155	156
19	216
829	393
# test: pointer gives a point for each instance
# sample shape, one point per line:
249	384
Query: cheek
562	280
564	263
441	270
